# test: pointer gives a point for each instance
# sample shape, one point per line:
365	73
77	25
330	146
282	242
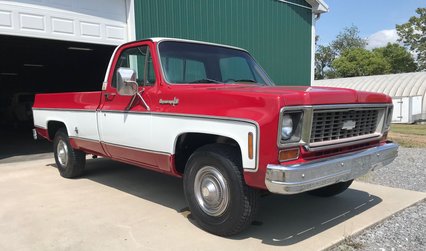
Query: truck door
125	121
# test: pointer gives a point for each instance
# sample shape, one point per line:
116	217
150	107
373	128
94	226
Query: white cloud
382	38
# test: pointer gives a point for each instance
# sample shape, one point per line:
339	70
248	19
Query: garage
60	45
30	66
51	46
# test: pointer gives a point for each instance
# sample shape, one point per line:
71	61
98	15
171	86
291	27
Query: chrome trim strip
351	106
341	142
64	109
86	139
307	176
349	143
162	39
185	115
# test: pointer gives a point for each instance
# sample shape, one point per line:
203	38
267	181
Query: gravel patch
405	230
407	171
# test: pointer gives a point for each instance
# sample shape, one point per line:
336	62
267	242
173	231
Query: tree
398	57
348	39
323	58
360	62
413	35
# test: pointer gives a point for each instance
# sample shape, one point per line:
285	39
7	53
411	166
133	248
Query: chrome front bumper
307	176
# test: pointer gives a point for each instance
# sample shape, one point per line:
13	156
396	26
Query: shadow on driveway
18	145
282	220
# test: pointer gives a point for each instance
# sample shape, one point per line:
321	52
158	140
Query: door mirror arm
138	94
127	86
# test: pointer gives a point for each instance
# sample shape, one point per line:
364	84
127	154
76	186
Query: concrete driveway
121	207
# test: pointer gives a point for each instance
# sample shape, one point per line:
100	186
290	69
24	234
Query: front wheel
215	190
70	162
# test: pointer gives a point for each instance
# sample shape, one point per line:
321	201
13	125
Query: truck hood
306	95
254	102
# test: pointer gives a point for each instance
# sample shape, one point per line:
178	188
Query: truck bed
68	100
76	111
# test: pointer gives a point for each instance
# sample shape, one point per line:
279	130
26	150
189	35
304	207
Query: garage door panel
76	20
5	19
62	26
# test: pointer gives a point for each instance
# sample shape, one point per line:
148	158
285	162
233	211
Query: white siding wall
92	21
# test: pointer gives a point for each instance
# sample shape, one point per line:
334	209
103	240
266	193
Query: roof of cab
161	39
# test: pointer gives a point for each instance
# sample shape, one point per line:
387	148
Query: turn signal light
288	154
250	145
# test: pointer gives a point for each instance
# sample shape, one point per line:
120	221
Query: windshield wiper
245	80
206	80
248	81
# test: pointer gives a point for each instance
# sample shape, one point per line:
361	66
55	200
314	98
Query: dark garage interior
29	66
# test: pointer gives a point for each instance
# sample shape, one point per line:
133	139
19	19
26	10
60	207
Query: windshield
184	62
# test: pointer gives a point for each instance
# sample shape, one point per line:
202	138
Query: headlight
291	126
287	127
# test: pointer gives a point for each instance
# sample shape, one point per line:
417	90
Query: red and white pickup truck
210	114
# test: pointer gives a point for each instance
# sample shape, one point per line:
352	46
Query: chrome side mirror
126	82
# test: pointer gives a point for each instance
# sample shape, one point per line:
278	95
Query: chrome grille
328	125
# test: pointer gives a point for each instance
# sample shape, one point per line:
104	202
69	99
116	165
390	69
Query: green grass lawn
409	129
408	135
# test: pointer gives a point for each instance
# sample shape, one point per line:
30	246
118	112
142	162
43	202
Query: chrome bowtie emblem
349	125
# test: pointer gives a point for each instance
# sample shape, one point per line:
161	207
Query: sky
376	19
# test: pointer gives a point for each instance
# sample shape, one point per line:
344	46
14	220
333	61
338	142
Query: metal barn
408	92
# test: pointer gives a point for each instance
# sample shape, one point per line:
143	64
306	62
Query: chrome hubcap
62	151
211	191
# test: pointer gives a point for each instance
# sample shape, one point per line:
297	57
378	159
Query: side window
235	68
179	70
138	59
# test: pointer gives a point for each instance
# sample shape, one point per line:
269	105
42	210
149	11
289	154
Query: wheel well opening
53	127
188	143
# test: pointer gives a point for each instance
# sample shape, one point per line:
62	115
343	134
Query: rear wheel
70	162
331	190
215	190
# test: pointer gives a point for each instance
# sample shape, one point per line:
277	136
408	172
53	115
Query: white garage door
90	21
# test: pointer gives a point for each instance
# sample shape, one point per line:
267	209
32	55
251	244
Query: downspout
315	18
130	20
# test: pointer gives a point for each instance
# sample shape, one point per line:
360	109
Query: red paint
152	160
260	104
89	146
70	100
42	132
140	157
